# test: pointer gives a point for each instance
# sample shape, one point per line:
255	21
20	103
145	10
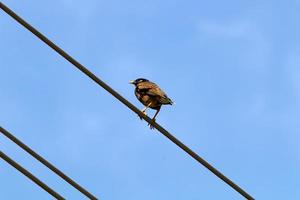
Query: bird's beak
131	82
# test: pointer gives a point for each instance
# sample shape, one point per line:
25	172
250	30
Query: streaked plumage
149	94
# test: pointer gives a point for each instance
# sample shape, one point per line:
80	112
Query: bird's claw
150	125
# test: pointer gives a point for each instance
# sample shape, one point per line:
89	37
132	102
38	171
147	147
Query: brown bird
149	94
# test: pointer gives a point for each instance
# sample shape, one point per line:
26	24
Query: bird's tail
173	103
166	100
170	101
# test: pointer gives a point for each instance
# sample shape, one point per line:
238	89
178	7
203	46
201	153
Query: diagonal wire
46	163
124	101
30	176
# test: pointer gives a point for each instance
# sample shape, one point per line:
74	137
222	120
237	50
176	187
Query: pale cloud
1	24
82	11
292	68
256	45
125	67
225	29
290	117
129	65
79	130
254	49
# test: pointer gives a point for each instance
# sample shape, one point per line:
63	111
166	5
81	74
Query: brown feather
151	89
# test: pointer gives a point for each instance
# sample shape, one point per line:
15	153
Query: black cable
124	101
30	176
46	163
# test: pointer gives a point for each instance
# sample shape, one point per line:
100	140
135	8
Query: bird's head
137	81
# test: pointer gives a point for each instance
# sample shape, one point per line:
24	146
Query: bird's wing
152	89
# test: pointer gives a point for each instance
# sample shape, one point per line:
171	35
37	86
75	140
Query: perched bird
149	94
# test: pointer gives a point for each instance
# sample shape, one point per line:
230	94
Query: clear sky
232	67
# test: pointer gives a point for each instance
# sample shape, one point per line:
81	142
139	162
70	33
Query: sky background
232	67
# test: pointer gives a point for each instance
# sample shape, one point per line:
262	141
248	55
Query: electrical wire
46	163
124	101
30	176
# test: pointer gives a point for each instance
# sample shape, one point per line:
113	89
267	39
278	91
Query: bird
150	95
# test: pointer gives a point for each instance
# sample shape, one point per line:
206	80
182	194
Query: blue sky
232	67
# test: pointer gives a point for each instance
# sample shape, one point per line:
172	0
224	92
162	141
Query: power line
124	101
46	163
30	176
